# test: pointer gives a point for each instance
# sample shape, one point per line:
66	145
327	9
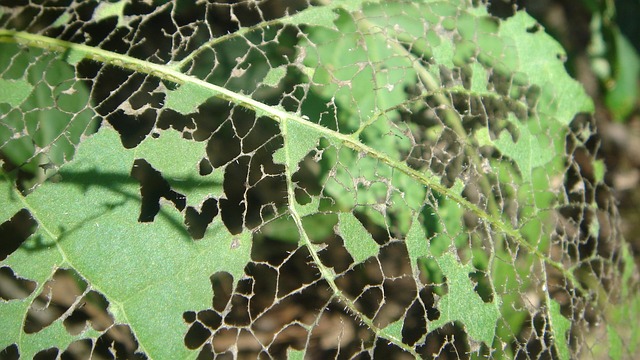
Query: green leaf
417	244
187	98
528	152
561	97
50	114
622	98
394	330
313	16
14	92
560	326
274	76
357	240
462	303
183	175
360	174
615	344
127	261
106	10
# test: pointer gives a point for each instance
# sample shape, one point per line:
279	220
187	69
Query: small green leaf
187	98
599	169
106	10
313	16
74	56
615	344
417	244
538	59
293	354
300	140
394	330
357	240
274	76
623	97
528	152
8	199
559	325
14	92
183	175
62	20
463	304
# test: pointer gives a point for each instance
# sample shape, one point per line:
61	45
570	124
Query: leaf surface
266	179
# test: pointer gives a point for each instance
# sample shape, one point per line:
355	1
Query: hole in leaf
189	317
482	285
92	308
293	309
391	258
206	353
132	128
13	287
224	339
306	177
432	274
293	336
76	322
379	233
398	296
210	319
196	336
232	215
48	354
79	349
501	8
222	285
205	167
534	339
244	124
274	242
370	300
337	332
197	222
223	146
305	272
153	187
414	326
447	342
335	254
235	185
363	283
383	349
10	353
265	282
428	297
169	118
118	342
239	311
15	231
57	296
533	28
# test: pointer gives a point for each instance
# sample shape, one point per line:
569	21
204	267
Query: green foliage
406	168
614	58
